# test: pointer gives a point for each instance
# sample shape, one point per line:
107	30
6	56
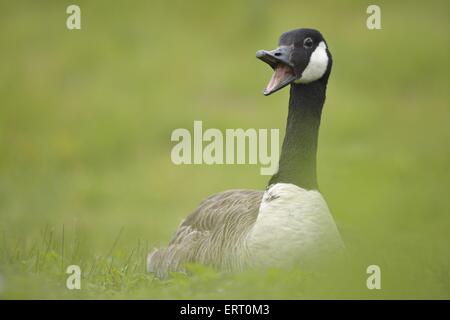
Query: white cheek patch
317	65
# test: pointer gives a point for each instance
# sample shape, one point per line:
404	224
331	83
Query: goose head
302	57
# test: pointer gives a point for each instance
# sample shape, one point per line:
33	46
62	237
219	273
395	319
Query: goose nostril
277	54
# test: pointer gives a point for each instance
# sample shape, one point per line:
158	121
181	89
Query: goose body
288	223
293	225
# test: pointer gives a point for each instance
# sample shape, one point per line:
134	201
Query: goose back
213	234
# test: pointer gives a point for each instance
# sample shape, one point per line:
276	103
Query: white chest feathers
294	225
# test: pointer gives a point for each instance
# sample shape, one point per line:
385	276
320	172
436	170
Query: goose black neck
297	163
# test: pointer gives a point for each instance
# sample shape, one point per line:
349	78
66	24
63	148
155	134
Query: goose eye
308	43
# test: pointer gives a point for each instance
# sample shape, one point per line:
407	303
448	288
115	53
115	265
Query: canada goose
289	221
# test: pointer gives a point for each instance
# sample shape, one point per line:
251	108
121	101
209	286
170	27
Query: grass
86	118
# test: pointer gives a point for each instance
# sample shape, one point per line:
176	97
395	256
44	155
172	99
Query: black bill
283	74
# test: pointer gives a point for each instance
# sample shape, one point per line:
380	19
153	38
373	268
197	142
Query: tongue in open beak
279	61
282	76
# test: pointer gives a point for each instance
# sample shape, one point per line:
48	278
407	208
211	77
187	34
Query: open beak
279	60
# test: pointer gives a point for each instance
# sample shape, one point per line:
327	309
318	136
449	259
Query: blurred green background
86	118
